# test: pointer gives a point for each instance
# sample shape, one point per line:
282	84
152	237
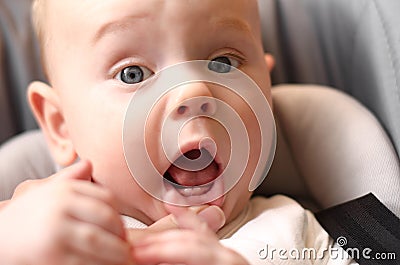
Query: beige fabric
339	148
22	158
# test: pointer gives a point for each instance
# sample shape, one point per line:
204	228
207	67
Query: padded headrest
337	147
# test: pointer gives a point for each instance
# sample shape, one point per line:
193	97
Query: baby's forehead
79	23
243	9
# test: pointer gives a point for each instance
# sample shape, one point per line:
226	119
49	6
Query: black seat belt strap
366	229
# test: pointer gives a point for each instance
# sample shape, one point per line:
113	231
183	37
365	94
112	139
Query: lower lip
211	194
218	202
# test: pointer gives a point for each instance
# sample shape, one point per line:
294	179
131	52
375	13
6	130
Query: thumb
81	170
213	216
211	219
163	224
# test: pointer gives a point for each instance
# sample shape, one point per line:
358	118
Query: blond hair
38	15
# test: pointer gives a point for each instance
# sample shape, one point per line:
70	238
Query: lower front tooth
192	191
197	191
186	191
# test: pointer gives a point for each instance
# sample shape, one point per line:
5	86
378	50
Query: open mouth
191	180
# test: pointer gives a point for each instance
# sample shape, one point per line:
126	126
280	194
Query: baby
98	55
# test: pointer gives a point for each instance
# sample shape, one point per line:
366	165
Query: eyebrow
119	25
129	21
234	23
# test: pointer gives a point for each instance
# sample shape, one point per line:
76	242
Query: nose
192	100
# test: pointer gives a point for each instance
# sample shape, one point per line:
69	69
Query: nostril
204	107
182	109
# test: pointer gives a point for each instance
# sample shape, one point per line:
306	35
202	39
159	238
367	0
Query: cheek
153	130
236	200
95	123
249	120
260	75
240	193
254	136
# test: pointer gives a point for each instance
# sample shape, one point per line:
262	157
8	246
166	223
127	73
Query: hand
192	242
23	187
63	220
213	216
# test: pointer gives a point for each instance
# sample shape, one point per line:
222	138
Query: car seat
338	139
354	47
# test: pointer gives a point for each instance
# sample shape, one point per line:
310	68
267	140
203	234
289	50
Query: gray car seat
352	45
19	64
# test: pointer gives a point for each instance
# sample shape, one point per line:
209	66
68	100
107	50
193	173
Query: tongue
194	178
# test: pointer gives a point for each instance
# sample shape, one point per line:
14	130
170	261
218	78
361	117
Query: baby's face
98	54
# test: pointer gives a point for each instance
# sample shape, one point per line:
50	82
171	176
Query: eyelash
117	68
117	71
235	55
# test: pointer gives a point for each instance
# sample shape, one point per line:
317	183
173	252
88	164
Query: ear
269	59
44	102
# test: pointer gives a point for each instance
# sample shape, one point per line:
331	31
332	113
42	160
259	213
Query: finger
134	235
25	186
194	218
81	170
78	258
189	220
90	210
82	258
94	191
175	247
169	221
165	223
97	244
213	216
184	247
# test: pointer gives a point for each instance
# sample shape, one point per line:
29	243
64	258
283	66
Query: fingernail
213	216
173	220
198	209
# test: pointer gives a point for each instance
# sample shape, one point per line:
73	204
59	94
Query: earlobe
269	59
45	105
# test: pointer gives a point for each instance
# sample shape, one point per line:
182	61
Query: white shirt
277	230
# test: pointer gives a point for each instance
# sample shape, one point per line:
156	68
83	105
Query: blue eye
134	74
222	64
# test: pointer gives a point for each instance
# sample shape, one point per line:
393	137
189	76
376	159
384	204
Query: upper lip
195	145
